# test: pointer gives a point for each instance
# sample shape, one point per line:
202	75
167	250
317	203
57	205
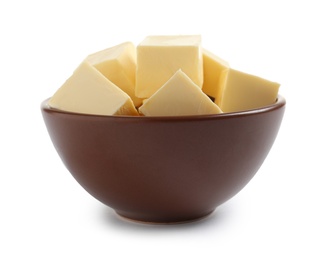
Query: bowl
164	169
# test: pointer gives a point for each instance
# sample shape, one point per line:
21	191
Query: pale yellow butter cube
213	67
242	91
118	64
88	91
159	57
179	96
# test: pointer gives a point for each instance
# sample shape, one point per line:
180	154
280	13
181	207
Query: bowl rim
280	102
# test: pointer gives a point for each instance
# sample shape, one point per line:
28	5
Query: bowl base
158	222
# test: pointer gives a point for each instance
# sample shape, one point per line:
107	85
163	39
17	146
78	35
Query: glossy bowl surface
164	169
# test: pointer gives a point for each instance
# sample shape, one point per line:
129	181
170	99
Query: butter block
177	97
118	64
213	67
159	57
242	91
88	91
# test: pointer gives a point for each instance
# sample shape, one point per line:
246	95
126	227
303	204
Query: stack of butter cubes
162	76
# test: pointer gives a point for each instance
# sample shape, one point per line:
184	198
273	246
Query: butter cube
88	91
118	64
159	57
213	67
242	91
177	97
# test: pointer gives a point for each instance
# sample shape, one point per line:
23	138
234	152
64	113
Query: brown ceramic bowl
164	169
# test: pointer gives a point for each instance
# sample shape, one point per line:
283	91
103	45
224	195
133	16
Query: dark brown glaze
164	169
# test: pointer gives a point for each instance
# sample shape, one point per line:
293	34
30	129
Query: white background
45	214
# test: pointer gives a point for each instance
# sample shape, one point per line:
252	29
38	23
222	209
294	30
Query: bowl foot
161	221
